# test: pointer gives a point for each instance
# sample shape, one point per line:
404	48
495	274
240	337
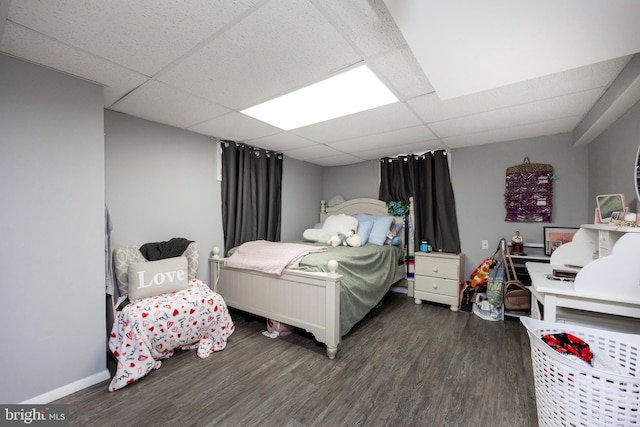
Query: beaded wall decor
529	191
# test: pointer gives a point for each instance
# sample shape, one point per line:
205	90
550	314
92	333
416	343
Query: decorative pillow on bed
312	234
335	224
392	236
335	201
152	278
365	225
382	224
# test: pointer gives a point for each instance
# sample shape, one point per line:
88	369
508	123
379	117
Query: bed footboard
307	300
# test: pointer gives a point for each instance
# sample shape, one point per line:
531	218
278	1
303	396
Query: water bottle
423	246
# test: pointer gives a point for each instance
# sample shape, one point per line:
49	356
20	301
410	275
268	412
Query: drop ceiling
196	64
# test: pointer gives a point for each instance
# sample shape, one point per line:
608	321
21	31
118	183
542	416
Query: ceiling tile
161	103
534	112
400	70
143	35
382	119
431	109
394	138
313	152
235	127
418	147
341	160
280	141
512	133
35	47
366	23
281	47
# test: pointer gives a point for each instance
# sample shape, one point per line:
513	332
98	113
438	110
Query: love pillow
147	279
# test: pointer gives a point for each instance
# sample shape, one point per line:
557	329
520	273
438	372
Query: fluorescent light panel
347	93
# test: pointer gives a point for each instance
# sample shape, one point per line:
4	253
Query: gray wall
161	183
352	181
612	160
478	179
301	195
52	219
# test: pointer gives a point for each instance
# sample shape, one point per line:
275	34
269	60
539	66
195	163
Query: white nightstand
438	277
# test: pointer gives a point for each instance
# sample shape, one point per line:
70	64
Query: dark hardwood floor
406	365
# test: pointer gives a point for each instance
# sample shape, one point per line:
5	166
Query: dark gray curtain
426	178
251	194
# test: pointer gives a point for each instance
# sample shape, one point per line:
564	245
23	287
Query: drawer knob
435	269
435	286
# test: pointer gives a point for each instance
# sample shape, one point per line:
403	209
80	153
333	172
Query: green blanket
367	275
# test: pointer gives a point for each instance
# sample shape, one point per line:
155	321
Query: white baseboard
68	389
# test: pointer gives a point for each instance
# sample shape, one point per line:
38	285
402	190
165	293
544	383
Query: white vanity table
607	261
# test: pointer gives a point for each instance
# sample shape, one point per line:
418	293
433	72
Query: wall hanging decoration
529	192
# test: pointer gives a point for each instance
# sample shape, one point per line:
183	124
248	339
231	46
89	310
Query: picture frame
607	205
554	237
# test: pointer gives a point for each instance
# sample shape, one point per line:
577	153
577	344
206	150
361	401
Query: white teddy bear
341	239
354	239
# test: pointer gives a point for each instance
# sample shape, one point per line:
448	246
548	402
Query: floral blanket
147	331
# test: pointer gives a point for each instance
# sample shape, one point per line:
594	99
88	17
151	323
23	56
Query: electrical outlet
485	244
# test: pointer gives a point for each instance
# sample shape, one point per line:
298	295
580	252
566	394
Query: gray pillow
147	279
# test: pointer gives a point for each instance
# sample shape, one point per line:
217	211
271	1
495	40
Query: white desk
553	294
608	281
530	257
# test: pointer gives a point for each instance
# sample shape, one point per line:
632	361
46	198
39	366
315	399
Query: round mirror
637	176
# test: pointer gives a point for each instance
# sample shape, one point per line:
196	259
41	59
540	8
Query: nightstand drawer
437	278
441	267
436	285
439	298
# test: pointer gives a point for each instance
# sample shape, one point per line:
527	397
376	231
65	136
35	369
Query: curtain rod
256	150
415	155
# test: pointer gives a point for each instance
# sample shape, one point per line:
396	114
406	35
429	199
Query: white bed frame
307	300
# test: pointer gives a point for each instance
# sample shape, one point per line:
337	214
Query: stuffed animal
349	239
339	239
354	239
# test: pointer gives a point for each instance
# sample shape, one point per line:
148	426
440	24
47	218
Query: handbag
516	296
467	297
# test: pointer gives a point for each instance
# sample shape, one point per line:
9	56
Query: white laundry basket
571	393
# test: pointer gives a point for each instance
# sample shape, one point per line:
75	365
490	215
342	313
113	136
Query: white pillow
335	224
147	279
312	234
335	201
